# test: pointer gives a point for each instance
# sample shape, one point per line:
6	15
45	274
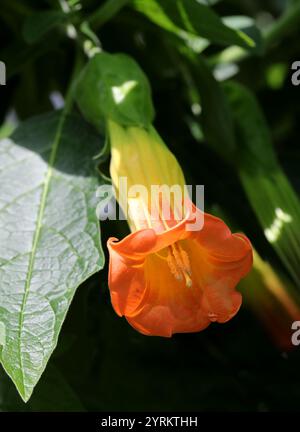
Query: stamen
186	261
173	266
179	264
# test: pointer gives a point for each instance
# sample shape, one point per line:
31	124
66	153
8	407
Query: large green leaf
49	236
193	17
268	189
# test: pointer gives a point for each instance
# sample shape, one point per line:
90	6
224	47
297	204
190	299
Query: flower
164	277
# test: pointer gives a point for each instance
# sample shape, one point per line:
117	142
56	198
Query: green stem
106	12
69	97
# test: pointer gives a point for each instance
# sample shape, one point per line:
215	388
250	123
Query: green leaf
255	151
49	236
157	15
248	26
39	24
216	117
268	189
113	86
193	17
53	393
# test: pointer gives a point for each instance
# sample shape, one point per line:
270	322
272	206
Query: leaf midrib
36	237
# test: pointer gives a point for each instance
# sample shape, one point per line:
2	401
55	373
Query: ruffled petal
144	289
225	259
168	305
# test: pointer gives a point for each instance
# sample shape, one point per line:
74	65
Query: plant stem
69	97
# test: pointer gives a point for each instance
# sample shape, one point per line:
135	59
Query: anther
179	264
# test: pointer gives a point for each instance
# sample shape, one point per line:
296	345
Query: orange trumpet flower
164	277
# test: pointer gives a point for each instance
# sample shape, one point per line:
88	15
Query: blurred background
231	116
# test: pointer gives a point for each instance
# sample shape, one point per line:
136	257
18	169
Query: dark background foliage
100	362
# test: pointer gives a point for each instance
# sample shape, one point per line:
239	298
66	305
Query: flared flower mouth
178	280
